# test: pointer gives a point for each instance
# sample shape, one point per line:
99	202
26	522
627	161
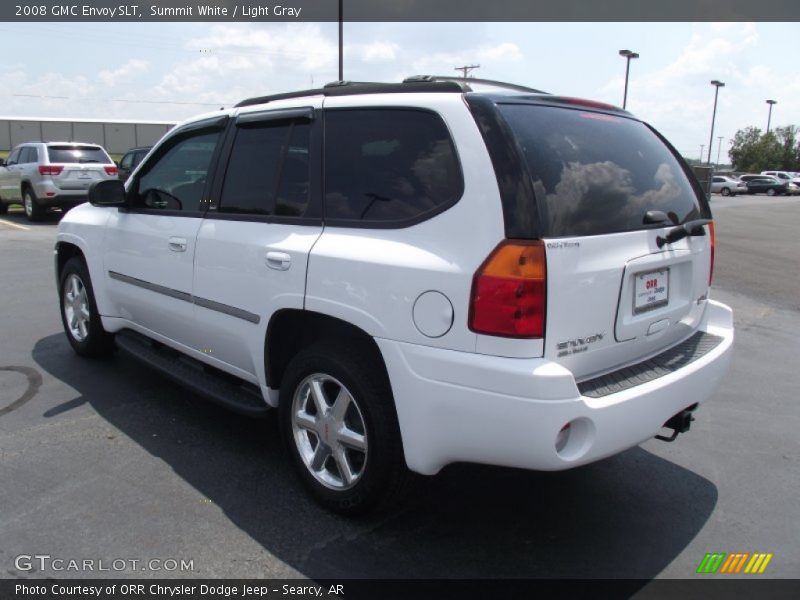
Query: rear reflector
713	240
50	169
111	170
509	291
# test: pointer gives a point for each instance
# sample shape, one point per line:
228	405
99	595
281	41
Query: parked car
764	184
131	160
504	277
727	186
783	176
43	175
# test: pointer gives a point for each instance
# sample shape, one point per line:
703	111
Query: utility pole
341	37
701	153
719	148
717	85
467	69
769	118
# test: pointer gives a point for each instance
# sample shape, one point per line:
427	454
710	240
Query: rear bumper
462	407
48	194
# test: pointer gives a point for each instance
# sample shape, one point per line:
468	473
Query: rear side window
77	154
389	167
594	173
268	171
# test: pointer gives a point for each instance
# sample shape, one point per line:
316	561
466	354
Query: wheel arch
291	330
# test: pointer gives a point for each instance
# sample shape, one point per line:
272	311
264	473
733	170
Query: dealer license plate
650	291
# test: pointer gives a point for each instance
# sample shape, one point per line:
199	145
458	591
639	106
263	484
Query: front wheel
79	313
340	427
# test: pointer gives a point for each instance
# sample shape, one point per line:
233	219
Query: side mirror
109	192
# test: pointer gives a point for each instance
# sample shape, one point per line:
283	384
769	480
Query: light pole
719	148
701	153
717	85
628	55
341	43
769	118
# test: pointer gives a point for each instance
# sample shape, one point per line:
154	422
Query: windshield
595	173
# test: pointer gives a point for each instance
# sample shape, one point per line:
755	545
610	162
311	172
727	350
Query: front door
150	248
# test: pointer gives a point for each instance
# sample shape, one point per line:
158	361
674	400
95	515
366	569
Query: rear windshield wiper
681	231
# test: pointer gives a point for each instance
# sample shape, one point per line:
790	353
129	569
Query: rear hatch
77	166
615	296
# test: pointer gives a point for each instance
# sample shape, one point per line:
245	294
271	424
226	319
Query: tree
755	151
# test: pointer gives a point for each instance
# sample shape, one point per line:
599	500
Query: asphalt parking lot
109	460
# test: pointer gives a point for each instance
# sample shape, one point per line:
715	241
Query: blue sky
170	71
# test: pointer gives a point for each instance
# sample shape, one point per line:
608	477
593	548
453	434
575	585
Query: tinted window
388	165
176	177
268	172
137	158
77	154
719	180
13	158
127	161
594	173
25	156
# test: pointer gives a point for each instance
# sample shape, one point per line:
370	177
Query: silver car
727	186
43	175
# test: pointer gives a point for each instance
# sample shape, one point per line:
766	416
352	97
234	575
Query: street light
628	55
717	85
719	148
769	118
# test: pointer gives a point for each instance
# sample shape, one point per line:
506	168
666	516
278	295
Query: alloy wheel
329	431
76	308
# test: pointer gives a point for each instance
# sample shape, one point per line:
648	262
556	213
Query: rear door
253	245
615	296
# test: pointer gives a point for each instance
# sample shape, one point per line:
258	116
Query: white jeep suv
413	274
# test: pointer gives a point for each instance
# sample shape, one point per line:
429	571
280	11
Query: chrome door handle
280	261
177	244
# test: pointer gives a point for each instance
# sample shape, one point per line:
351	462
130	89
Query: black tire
725	191
33	211
3	207
384	479
97	342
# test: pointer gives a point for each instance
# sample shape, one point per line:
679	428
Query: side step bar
239	396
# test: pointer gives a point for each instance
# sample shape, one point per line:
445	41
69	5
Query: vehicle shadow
625	517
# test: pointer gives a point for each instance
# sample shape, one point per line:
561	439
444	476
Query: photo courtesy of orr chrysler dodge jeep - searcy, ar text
413	274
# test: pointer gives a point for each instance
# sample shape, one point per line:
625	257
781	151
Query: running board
221	388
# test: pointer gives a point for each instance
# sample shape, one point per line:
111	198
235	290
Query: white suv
43	175
414	274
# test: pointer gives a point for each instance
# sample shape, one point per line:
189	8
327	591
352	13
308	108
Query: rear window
595	173
77	154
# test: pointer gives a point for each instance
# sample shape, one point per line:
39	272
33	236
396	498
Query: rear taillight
713	240
509	291
112	170
50	169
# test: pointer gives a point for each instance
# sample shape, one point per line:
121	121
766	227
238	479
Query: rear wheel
33	211
726	191
79	313
770	192
340	427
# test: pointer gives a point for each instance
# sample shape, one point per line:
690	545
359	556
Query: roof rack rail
466	81
352	88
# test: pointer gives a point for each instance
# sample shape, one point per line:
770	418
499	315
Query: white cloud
134	65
